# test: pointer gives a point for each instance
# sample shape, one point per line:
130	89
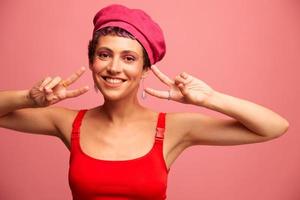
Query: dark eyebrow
123	52
104	48
128	51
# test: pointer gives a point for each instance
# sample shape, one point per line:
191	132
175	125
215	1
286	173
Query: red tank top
140	178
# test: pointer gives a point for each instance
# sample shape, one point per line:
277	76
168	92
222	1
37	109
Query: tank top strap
160	128
77	123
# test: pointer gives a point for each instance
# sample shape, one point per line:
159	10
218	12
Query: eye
129	58
103	55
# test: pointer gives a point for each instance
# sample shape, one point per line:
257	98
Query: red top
140	178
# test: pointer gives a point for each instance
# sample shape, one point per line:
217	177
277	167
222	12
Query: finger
71	79
76	92
180	79
53	83
182	89
45	82
52	100
51	97
157	93
184	75
161	76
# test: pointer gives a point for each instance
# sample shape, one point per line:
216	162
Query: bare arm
19	112
30	111
14	100
260	120
250	122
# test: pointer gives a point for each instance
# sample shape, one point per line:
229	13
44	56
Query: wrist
214	101
27	101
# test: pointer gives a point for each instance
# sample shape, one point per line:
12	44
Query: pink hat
136	22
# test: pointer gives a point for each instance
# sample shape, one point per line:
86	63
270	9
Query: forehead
119	44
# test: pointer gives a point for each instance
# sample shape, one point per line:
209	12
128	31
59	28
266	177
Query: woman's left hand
184	88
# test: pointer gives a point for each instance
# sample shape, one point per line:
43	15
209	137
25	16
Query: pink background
248	49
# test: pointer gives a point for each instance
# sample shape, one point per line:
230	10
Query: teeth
113	80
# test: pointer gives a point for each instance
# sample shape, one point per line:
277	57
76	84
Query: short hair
112	30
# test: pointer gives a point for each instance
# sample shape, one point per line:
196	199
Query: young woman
121	149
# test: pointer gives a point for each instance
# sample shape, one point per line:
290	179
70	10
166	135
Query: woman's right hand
52	90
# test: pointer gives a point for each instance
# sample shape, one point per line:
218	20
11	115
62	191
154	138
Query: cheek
97	67
135	72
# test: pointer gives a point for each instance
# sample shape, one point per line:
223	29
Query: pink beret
136	22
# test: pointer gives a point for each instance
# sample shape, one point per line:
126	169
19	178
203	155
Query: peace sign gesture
184	88
52	90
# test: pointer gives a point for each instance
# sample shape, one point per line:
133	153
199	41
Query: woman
115	151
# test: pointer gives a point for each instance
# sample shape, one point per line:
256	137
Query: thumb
182	89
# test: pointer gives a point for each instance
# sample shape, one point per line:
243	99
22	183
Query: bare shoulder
63	119
63	113
182	121
181	124
52	121
178	124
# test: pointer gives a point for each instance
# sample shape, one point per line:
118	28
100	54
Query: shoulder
184	120
179	124
60	114
63	119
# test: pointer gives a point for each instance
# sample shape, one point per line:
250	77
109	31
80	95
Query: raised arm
29	110
249	122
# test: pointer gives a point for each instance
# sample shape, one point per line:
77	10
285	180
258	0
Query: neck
122	110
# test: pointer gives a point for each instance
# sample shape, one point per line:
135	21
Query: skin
114	127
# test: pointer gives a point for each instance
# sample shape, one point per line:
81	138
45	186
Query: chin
110	95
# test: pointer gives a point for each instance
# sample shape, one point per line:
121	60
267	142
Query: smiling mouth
113	80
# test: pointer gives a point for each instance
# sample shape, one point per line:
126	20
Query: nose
114	66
